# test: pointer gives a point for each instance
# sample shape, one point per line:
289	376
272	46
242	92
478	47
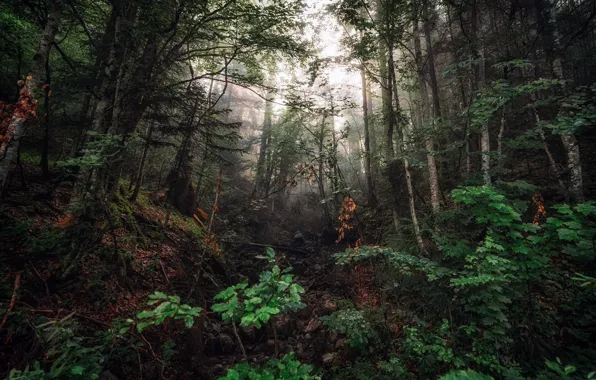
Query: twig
239	342
41	278
164	272
59	311
13	300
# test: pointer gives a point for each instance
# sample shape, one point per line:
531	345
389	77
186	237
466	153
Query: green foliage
275	293
428	346
563	371
71	356
577	112
45	239
99	149
574	228
355	324
167	307
402	262
365	370
286	368
465	375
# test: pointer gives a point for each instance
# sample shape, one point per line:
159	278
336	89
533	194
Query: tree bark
141	172
45	168
261	177
433	177
372	199
385	82
568	139
480	76
8	150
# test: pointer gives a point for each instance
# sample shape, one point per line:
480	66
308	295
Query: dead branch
13	300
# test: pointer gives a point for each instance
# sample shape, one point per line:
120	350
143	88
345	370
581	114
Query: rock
329	357
299	269
313	325
298	241
220	345
248	333
285	326
328	308
304	313
340	343
107	375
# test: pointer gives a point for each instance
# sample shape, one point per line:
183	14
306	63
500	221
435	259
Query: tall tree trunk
88	178
415	224
141	172
385	82
433	177
321	170
547	14
100	63
8	149
477	42
261	177
45	168
372	199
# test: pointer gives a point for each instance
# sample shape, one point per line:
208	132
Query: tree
27	103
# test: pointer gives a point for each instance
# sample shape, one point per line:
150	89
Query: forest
297	189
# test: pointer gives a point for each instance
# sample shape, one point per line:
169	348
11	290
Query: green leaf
146	314
189	321
77	370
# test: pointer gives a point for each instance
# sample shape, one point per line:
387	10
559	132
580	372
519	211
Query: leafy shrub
365	370
365	329
286	368
169	307
402	262
275	293
355	325
71	355
430	347
465	375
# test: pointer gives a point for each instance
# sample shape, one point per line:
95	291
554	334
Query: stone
107	375
313	325
248	333
340	343
285	326
329	357
305	312
220	345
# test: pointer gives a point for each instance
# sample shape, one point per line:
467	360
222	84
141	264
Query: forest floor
88	283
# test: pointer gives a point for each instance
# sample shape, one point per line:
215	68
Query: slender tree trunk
431	63
480	74
141	172
260	184
385	82
433	177
8	149
372	199
547	10
372	134
415	224
100	62
45	168
321	170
